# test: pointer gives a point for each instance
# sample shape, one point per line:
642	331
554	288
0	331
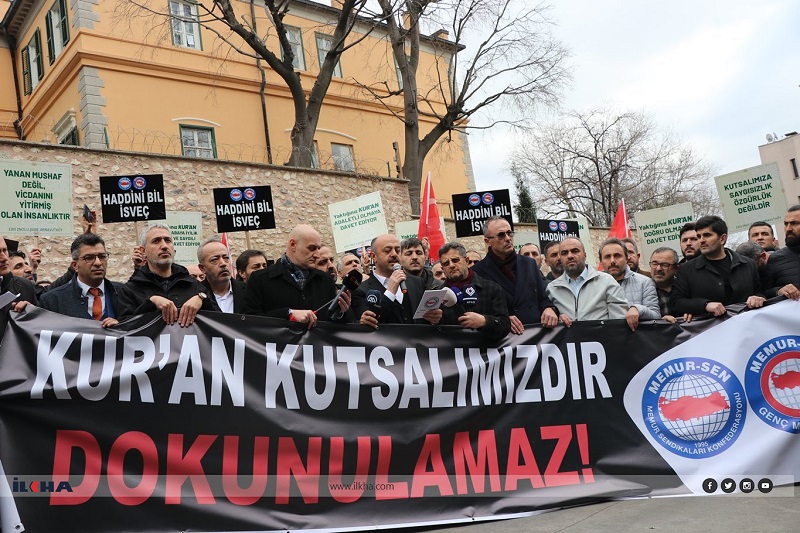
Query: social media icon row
746	485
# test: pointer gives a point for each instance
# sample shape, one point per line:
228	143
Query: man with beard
634	256
89	294
15	285
640	291
519	277
162	285
326	263
553	260
489	313
292	288
718	277
583	293
781	276
689	247
215	263
413	256
400	293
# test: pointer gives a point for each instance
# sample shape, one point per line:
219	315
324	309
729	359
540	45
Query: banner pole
247	239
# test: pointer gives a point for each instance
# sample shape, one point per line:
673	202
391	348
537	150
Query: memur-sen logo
124	183
488	198
236	195
21	486
474	200
694	407
139	183
249	194
773	383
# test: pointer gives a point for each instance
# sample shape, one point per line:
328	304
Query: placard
357	221
661	227
36	199
750	195
132	198
244	208
472	209
187	232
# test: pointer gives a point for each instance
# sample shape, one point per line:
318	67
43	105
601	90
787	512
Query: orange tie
97	304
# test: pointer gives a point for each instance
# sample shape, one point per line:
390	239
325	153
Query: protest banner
472	209
750	195
265	426
409	228
37	199
187	234
132	198
244	208
357	221
661	227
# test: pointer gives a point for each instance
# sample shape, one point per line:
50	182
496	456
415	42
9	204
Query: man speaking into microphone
483	303
400	294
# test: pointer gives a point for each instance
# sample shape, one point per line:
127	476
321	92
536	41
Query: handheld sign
244	208
472	209
132	198
36	199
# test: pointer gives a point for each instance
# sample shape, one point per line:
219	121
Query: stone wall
299	196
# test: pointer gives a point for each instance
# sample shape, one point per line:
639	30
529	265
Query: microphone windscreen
451	297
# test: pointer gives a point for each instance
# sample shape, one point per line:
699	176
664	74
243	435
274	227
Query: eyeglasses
502	235
654	264
90	258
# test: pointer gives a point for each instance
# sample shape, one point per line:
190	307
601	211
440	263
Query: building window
794	168
324	45
71	138
343	157
295	38
57	29
32	65
185	26
198	142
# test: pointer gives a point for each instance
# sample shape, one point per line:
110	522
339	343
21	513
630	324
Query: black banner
244	208
471	210
242	423
556	230
132	198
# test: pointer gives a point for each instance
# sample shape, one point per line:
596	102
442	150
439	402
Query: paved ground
689	514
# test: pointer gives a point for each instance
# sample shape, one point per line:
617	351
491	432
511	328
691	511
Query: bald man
292	288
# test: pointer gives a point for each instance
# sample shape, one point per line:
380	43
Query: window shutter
39	60
48	24
26	70
62	9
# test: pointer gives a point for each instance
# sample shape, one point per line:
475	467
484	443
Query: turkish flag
619	228
430	225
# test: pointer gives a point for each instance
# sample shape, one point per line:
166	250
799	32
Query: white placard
36	199
187	232
357	221
751	195
661	227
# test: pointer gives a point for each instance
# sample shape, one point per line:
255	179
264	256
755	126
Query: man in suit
292	288
215	264
89	294
519	277
397	305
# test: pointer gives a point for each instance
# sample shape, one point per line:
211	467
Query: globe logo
694	407
773	383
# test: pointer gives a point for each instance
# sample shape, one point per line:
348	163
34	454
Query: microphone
398	266
351	281
374	302
470	299
452	297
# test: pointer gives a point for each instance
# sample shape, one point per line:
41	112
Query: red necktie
97	304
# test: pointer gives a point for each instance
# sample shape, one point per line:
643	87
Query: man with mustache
781	277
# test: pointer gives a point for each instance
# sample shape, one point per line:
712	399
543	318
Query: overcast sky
720	74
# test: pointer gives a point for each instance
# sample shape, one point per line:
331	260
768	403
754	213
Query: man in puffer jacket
782	273
640	290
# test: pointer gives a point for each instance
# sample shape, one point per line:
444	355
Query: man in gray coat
640	291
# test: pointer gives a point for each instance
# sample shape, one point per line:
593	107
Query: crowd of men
495	293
